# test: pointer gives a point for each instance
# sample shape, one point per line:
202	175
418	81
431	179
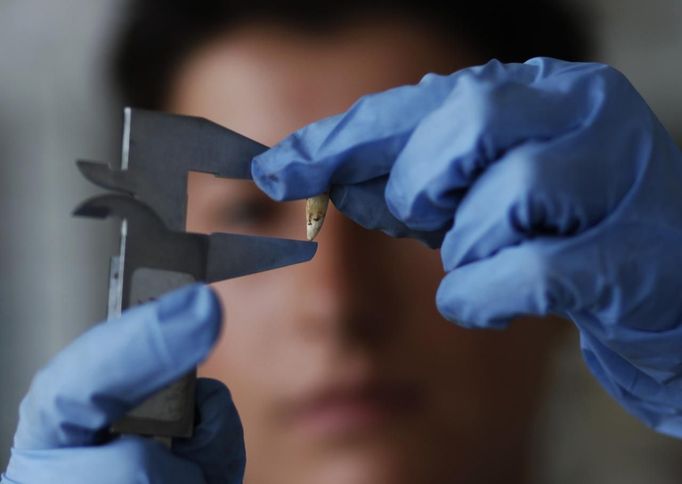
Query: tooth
315	211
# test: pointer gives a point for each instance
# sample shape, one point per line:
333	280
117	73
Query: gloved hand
61	436
553	189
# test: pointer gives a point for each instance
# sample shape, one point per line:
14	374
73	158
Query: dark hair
159	34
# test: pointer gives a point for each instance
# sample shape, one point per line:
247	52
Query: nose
347	289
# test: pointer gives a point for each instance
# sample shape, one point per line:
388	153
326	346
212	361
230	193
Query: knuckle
527	169
540	274
610	74
56	404
41	397
518	181
479	95
487	103
367	104
610	84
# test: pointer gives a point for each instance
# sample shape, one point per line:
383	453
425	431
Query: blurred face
341	368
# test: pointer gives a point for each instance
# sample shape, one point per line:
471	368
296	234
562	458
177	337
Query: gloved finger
218	441
491	110
129	459
114	366
536	189
364	203
352	147
516	281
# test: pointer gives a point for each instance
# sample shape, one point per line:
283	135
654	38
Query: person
549	187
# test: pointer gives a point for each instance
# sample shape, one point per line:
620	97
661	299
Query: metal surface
159	150
156	255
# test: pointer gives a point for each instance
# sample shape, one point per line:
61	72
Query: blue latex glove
107	371
566	197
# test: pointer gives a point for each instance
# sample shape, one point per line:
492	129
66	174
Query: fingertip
269	182
455	305
285	173
191	319
209	312
289	170
450	305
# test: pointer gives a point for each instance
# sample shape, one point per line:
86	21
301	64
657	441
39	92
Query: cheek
255	307
478	381
249	349
442	356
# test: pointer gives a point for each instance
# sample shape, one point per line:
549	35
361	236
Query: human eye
249	212
237	206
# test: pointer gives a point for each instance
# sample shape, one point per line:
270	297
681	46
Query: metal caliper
156	254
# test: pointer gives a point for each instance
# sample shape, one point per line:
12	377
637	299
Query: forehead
266	80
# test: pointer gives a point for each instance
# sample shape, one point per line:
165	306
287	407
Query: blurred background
56	106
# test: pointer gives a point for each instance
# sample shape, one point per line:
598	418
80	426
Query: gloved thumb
218	442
